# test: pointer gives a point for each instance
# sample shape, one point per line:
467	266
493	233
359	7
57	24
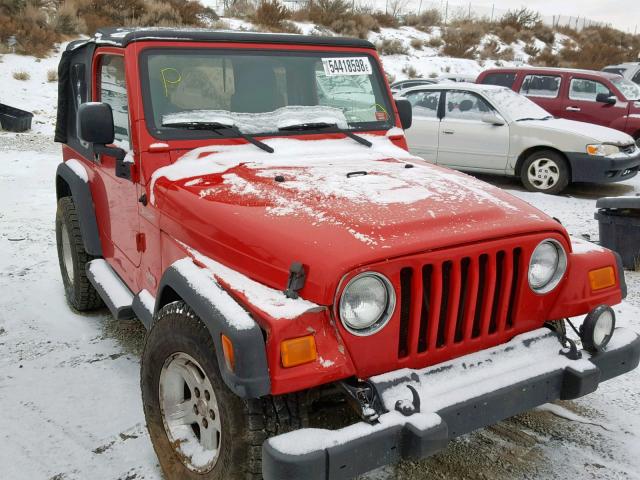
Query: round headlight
367	303
547	266
597	328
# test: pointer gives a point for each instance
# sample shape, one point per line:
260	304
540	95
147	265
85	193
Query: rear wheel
545	171
198	427
73	258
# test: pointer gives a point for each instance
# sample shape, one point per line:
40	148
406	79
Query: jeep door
581	104
117	203
422	137
468	142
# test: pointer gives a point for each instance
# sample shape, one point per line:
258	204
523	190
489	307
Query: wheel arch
540	148
69	184
250	376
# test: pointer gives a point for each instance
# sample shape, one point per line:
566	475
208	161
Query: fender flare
250	377
81	194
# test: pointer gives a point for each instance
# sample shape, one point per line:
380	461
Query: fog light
597	328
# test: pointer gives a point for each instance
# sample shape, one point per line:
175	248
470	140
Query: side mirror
492	119
95	123
95	126
606	98
405	111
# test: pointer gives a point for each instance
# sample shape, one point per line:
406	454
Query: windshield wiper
528	118
216	127
303	127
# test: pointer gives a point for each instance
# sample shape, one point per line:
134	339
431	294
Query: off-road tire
562	166
245	424
80	293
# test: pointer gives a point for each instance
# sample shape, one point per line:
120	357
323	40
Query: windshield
262	92
630	90
516	106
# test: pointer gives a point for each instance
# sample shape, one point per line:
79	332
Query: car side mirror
492	119
405	111
606	98
95	126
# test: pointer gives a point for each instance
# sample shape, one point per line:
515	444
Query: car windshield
630	90
261	92
516	106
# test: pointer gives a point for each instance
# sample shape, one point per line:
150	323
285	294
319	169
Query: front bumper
588	168
457	397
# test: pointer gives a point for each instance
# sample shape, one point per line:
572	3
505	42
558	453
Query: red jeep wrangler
249	198
588	96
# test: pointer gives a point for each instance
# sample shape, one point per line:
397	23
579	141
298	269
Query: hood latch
297	277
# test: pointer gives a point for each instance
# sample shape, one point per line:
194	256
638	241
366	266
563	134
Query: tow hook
407	408
363	398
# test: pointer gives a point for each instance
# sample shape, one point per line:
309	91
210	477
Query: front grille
452	301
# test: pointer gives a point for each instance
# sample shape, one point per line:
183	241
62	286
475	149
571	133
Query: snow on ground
69	383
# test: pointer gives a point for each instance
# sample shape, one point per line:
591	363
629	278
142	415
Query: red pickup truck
587	96
250	198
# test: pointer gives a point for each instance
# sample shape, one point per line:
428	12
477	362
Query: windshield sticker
381	116
346	66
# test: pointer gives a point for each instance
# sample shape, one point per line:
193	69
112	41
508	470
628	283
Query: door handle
448	132
573	109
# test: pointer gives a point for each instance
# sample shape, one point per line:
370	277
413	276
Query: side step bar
113	291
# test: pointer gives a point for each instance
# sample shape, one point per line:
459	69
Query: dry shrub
545	33
462	41
521	19
388	46
425	21
410	71
435	42
358	25
597	47
386	20
326	12
52	75
239	8
507	34
531	50
160	14
271	14
21	75
66	20
417	43
546	58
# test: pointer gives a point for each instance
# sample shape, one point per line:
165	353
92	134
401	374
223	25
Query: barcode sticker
346	66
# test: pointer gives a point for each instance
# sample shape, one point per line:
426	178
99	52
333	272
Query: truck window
616	70
424	103
636	78
113	91
545	86
466	106
502	79
253	91
586	90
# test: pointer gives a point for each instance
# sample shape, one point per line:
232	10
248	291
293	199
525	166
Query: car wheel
73	258
199	428
545	171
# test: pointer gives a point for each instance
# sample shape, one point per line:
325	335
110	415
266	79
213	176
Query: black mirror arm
116	152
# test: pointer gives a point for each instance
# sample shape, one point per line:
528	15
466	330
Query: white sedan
491	129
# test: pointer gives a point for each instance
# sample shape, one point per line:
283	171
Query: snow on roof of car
542	70
123	36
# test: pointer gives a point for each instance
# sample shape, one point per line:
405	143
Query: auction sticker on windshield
346	66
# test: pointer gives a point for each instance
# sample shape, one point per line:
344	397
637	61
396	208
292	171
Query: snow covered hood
333	199
592	132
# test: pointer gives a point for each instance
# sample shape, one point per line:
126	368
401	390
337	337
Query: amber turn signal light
602	278
297	351
229	355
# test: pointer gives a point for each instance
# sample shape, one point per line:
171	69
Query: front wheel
198	427
545	171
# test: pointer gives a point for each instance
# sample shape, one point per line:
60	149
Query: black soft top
121	37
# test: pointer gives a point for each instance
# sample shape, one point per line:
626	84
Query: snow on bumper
456	397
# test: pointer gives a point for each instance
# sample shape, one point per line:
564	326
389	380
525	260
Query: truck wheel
198	427
545	171
73	259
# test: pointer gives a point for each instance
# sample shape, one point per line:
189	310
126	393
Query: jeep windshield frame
379	111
